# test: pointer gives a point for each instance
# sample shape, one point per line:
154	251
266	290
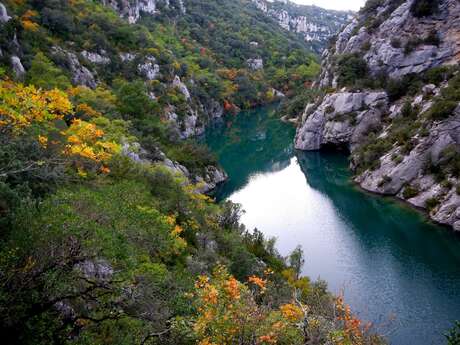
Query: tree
44	74
296	260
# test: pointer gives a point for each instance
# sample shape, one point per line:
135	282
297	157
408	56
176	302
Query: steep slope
392	98
105	235
169	67
195	57
316	25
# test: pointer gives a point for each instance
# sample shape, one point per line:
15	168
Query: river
395	268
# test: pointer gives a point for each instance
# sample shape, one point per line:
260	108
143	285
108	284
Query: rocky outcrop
342	118
4	17
315	24
18	68
98	59
149	69
255	64
80	74
204	183
182	87
357	119
133	9
401	44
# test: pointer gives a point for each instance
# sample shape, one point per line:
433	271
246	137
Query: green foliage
453	336
193	156
424	8
133	100
351	68
445	104
43	73
410	192
431	203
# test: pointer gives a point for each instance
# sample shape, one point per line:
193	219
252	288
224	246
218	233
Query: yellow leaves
177	230
261	283
23	106
210	296
87	110
105	170
83	141
267	339
352	328
232	288
26	21
291	312
30	263
29	25
43	141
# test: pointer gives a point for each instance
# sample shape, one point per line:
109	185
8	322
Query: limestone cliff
316	25
393	100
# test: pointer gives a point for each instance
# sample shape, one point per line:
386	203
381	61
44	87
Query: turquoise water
396	269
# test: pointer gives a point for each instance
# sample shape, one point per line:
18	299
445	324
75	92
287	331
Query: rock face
80	74
4	17
315	24
388	45
133	9
18	68
95	57
255	64
204	182
355	119
342	118
149	68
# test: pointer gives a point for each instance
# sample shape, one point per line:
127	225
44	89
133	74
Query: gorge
396	269
151	151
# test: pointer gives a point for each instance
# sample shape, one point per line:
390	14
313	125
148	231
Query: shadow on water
375	218
253	142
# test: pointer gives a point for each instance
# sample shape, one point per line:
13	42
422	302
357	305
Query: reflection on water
388	260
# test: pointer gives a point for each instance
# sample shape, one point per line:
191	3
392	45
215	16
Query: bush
437	75
410	192
351	69
442	109
431	203
43	73
395	42
432	38
424	8
193	156
409	84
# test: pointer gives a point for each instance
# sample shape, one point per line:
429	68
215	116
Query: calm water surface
395	268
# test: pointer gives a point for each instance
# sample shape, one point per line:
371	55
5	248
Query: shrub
409	84
410	192
351	69
412	44
329	109
424	8
193	156
442	109
437	75
43	73
395	42
431	203
432	38
453	336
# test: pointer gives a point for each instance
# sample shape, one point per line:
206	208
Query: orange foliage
261	283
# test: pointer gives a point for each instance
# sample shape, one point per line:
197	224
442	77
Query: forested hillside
105	237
